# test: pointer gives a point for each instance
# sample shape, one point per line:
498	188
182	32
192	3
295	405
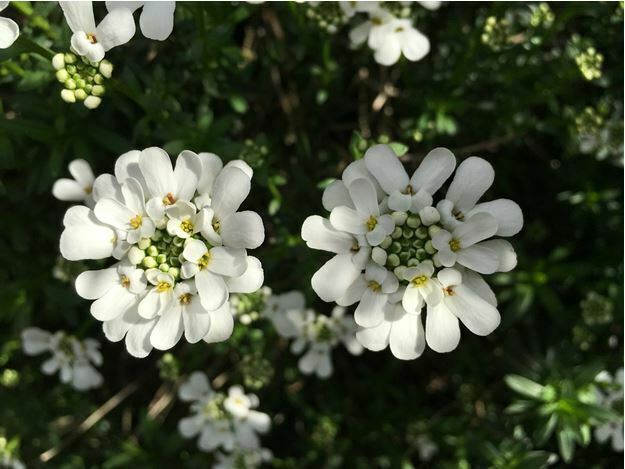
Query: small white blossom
73	359
157	17
78	189
610	397
9	30
228	422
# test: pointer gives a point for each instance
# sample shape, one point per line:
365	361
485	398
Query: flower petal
505	253
157	171
114	303
434	170
407	339
211	165
196	321
364	197
347	219
335	195
194	388
370	310
382	162
157	19
477	228
507	213
480	258
212	289
168	329
473	177
187	172
319	233
230	262
93	284
242	230
84	237
332	280
68	190
79	16
138	338
375	338
9	32
221	324
115	29
414	45
442	330
479	316
231	188
250	281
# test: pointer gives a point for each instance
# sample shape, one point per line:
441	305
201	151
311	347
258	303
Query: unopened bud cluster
328	15
82	79
542	16
162	251
496	33
410	243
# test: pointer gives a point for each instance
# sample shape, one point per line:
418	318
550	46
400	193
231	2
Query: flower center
187	226
91	38
185	299
169	199
162	287
399	29
372	222
448	291
88	190
204	261
136	222
374	286
125	281
409	244
419	281
454	245
216	224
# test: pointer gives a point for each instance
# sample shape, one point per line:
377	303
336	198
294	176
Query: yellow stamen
448	291
91	38
185	299
454	245
125	281
372	222
408	190
187	226
204	261
419	281
216	224
374	286
458	215
88	190
399	30
136	222
162	287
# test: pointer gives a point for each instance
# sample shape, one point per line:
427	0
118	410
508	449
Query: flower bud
70	84
397	232
163	267
393	260
144	243
80	94
161	258
429	248
69	58
399	217
71	69
432	230
399	271
157	236
58	62
421	254
429	216
149	263
413	221
421	232
386	242
174	272
178	242
106	68
378	255
97	90
407	233
152	251
395	247
436	261
80	83
136	255
92	102
62	75
68	96
413	262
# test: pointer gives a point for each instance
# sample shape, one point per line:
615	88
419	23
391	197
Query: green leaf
399	148
566	444
524	386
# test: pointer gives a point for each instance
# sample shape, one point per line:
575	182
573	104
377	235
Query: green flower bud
421	254
106	68
71	69
429	247
397	232
176	251
403	257
91	72
98	79
395	247
58	62
432	230
70	84
399	271
149	263
392	260
173	260
174	272
413	262
407	233
80	94
413	221
144	243
399	217
157	235
163	267
68	96
97	90
76	77
386	243
422	232
80	83
417	243
62	75
162	245
167	238
179	242
136	255
88	88
92	102
69	58
161	258
378	255
152	251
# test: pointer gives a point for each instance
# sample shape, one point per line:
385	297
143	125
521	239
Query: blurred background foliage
537	89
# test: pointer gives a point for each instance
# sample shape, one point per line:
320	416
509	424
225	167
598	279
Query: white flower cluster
388	35
226	422
611	397
180	241
314	334
117	27
396	252
73	359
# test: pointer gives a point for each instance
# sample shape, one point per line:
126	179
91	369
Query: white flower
609	398
9	30
115	29
222	421
243	458
179	262
473	178
157	17
72	358
402	263
78	189
459	302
